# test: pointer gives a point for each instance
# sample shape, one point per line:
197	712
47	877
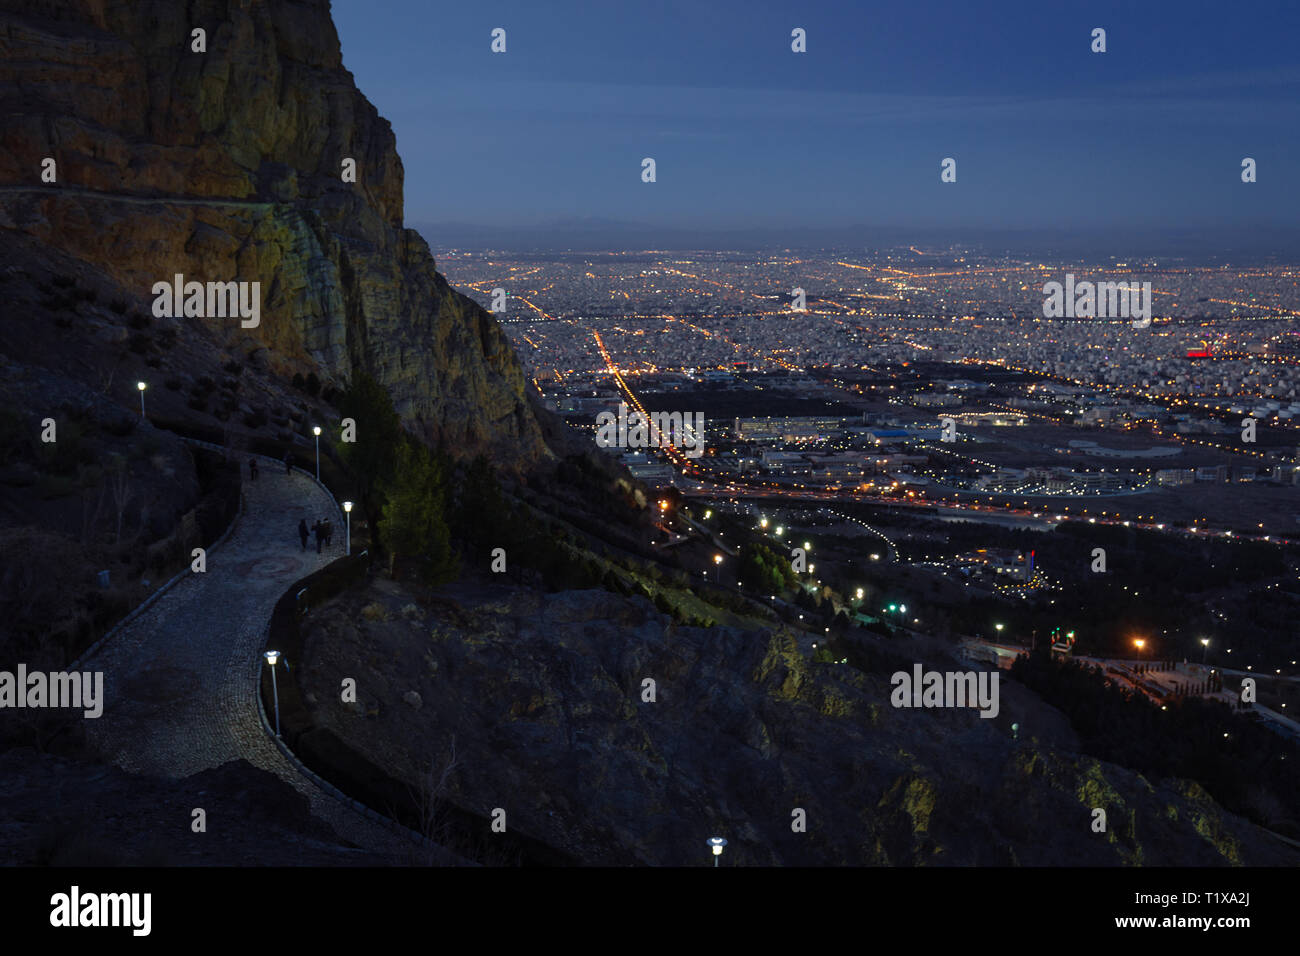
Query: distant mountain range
1207	245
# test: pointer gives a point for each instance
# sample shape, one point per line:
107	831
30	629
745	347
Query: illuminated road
697	488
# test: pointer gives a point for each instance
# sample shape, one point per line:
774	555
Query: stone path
181	679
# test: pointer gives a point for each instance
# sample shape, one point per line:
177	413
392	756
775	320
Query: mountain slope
226	165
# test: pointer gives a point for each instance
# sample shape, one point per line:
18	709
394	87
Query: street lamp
1139	644
347	510
717	843
271	658
316	431
1205	648
141	386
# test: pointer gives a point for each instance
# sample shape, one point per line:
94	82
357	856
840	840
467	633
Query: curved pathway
181	679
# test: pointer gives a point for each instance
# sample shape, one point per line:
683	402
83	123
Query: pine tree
372	458
414	522
482	516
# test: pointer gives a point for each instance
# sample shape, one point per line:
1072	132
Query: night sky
746	133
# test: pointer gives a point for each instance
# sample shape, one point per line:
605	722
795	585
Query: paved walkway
181	679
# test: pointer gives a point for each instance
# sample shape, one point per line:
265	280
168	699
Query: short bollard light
717	843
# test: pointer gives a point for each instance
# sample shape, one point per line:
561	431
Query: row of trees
429	510
769	571
403	485
1247	768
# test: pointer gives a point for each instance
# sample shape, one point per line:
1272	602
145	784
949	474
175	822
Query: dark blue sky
1046	134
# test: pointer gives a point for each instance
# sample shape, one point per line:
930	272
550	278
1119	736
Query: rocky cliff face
226	165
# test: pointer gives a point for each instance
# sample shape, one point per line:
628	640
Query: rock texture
60	812
543	695
225	165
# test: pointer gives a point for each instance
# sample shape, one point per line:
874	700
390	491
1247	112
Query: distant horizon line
1217	243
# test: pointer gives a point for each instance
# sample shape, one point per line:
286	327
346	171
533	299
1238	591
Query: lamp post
1205	649
717	559
717	843
315	430
347	510
141	386
271	658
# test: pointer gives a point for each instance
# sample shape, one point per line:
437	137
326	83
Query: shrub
375	612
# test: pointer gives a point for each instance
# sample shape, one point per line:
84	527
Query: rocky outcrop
545	698
226	165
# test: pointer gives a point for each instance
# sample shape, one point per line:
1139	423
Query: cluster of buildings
1282	473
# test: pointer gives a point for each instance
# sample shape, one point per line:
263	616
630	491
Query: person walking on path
252	468
319	531
288	463
303	533
329	532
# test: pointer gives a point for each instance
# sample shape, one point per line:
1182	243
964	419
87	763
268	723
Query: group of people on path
323	529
